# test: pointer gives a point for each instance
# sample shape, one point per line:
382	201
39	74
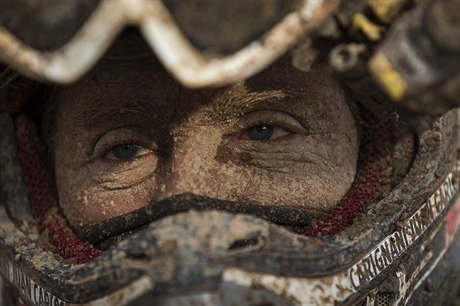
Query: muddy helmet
393	238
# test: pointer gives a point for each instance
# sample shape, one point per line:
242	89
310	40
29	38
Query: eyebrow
98	113
122	113
240	100
236	100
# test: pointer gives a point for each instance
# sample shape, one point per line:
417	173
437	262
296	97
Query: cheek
91	193
91	205
109	204
313	174
84	201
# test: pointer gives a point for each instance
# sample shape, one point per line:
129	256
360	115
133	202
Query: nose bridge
192	163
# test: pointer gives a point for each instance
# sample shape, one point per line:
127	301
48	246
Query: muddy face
128	134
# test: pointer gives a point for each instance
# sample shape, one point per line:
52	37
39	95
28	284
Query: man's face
128	134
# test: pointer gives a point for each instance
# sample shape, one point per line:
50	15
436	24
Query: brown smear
195	140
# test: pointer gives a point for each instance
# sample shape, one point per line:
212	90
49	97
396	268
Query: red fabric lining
43	199
374	161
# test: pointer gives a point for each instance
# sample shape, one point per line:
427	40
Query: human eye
123	145
268	125
125	152
264	132
123	157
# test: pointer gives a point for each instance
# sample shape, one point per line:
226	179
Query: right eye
264	132
126	151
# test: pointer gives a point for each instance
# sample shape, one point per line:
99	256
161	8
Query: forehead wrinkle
239	100
106	95
100	113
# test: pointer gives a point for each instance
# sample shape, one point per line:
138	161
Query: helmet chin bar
220	258
282	215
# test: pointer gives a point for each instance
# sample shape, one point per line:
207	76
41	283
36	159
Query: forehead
144	87
144	74
116	76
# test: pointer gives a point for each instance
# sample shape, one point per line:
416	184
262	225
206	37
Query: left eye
127	151
264	133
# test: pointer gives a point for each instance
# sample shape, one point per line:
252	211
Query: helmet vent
244	244
383	299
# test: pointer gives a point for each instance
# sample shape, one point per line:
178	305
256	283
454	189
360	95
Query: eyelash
110	155
276	119
119	137
274	132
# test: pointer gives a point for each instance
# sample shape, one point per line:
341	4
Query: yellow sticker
391	81
372	31
386	10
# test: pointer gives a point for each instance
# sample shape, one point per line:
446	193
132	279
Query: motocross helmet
392	239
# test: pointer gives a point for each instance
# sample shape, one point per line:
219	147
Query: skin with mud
127	134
